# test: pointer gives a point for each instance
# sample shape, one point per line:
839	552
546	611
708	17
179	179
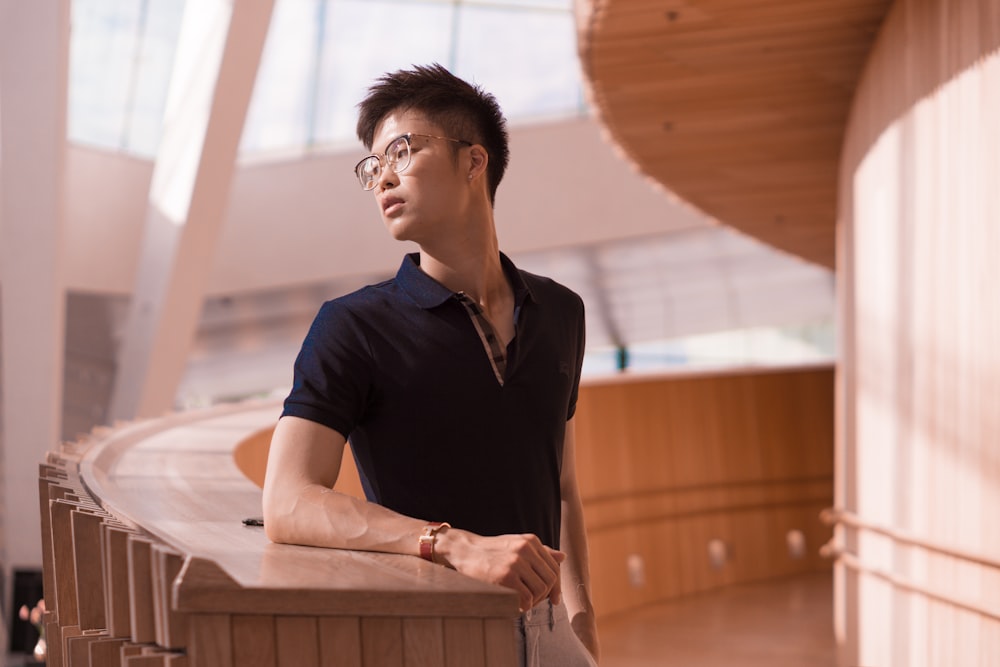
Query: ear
478	159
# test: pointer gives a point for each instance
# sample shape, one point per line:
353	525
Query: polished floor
780	623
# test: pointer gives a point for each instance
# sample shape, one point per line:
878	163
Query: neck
468	263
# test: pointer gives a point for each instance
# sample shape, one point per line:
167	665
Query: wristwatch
429	538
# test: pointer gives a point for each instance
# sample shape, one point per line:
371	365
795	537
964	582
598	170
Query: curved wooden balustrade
147	562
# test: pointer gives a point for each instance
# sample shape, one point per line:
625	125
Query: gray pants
546	639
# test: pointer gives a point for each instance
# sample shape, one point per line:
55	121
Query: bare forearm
318	516
576	576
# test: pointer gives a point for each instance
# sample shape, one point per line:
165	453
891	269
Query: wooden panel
61	513
423	642
116	579
739	108
171	625
917	450
142	618
666	465
500	643
464	642
87	556
106	653
382	642
210	641
297	641
340	641
254	642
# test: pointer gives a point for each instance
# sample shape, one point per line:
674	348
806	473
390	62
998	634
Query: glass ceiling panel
353	42
320	58
121	54
537	74
365	39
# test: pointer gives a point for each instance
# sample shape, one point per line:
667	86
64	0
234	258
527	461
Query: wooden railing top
175	479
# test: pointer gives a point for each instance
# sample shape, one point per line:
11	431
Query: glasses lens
398	154
368	170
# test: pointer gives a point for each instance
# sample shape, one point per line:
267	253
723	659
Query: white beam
34	56
216	64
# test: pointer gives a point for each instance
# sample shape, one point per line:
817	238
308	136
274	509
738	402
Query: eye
398	151
369	168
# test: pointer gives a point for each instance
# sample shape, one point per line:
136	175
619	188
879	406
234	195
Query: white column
34	48
216	64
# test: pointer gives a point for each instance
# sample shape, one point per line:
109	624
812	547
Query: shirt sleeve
332	373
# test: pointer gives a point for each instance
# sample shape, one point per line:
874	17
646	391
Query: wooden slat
499	639
297	640
106	653
210	642
382	642
88	560
142	617
254	642
61	512
340	641
171	625
464	642
116	579
423	642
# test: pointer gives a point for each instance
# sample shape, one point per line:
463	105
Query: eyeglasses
397	156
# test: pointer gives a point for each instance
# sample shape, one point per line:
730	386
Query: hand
519	562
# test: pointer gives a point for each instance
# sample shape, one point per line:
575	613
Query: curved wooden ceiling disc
737	106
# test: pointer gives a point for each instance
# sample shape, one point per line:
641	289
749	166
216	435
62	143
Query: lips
390	203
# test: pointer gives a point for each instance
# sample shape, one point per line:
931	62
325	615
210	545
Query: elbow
276	517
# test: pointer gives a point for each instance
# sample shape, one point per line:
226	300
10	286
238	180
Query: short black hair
463	110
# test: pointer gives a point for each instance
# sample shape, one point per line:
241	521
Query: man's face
429	196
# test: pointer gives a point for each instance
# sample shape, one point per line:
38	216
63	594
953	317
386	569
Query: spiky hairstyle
462	110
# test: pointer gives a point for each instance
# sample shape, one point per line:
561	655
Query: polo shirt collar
429	293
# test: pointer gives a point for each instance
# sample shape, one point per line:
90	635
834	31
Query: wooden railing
147	562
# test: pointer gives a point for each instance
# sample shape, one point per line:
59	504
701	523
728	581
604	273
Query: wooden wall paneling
254	642
919	207
64	567
116	578
88	560
609	552
500	641
695	459
171	625
210	641
382	642
58	647
602	460
663	570
464	643
77	648
142	618
424	642
106	653
297	640
48	565
157	660
340	641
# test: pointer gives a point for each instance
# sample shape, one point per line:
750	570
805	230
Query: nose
386	176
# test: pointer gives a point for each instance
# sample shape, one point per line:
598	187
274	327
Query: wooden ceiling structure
736	106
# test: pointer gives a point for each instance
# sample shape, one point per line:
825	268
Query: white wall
305	220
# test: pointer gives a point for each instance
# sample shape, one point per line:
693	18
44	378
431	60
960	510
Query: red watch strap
429	537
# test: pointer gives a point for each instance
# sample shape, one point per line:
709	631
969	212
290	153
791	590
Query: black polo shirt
400	370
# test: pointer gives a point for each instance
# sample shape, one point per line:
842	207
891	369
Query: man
456	382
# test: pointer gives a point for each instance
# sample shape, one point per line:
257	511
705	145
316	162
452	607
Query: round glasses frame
397	156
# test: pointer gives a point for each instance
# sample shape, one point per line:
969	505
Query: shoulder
549	292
